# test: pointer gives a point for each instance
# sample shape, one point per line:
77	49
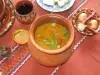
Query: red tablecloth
84	61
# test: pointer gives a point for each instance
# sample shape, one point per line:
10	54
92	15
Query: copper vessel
2	9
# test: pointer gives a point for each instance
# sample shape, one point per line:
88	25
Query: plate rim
73	1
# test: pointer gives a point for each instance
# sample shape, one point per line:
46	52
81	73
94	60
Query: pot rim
64	48
25	2
2	13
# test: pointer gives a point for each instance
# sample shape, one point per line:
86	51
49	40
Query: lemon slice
21	36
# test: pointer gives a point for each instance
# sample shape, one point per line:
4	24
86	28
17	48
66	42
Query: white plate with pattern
55	8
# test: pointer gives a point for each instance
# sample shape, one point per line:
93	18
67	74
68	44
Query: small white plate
56	8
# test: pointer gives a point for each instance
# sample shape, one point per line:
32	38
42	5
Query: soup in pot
51	36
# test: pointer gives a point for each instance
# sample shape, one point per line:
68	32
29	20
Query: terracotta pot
50	57
26	18
2	9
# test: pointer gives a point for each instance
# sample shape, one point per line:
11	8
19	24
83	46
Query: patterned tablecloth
84	61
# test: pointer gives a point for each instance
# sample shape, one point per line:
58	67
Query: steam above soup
51	36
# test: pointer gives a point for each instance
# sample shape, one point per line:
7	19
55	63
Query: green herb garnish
53	23
66	33
58	46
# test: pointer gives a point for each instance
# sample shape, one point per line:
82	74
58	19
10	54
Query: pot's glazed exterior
51	57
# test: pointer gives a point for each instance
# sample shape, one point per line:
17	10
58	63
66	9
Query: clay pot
25	18
50	57
2	9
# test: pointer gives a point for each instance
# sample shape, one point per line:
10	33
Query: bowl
50	57
2	9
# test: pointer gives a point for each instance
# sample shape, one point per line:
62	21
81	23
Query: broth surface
51	36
